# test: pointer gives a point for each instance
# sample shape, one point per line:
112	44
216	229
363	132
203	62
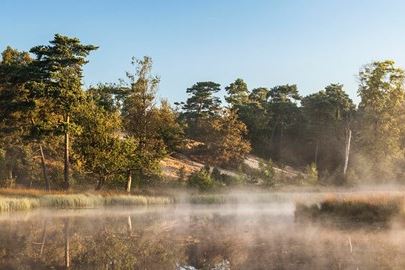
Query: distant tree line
55	133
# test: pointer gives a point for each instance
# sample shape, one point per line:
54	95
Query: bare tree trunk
129	181
66	157
43	163
347	150
67	245
10	173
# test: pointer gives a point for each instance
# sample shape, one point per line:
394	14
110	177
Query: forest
55	134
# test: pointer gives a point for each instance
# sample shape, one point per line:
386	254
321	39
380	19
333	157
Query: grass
15	200
380	209
15	204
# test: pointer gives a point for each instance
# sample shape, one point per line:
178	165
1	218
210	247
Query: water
234	236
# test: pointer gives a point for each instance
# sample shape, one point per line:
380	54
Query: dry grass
15	204
171	167
18	199
356	209
27	192
123	200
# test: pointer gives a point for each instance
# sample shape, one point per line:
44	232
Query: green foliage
267	173
238	93
328	114
169	129
382	99
201	180
58	70
144	122
100	147
202	103
114	130
57	82
311	173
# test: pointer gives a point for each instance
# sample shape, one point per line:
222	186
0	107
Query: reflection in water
258	236
67	245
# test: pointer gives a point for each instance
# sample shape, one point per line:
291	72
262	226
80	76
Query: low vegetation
353	209
15	201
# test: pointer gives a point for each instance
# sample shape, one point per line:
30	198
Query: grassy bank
379	209
14	200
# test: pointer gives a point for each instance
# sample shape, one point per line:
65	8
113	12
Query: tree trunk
66	157
43	163
347	150
316	153
10	173
67	245
281	147
129	181
100	182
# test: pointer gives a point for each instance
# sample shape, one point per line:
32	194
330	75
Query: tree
259	96
382	98
108	96
102	149
283	113
201	106
13	106
228	143
169	128
18	114
328	115
58	69
141	117
238	93
254	115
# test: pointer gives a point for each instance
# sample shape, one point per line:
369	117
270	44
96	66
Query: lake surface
232	236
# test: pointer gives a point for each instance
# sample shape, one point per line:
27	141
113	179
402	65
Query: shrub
181	173
311	174
267	173
216	175
201	179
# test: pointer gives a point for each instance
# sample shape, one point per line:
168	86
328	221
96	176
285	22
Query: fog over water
257	232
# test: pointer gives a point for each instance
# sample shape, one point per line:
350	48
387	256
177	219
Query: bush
201	179
217	175
311	174
267	173
181	173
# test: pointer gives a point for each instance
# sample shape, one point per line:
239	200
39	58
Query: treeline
54	133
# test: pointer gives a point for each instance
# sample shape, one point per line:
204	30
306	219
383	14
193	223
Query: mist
249	230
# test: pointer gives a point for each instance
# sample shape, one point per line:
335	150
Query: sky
311	43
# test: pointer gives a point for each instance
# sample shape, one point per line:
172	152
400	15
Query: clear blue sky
267	43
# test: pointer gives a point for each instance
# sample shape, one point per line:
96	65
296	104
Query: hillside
172	165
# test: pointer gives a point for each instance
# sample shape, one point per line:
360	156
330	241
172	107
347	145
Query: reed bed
32	200
15	204
355	209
